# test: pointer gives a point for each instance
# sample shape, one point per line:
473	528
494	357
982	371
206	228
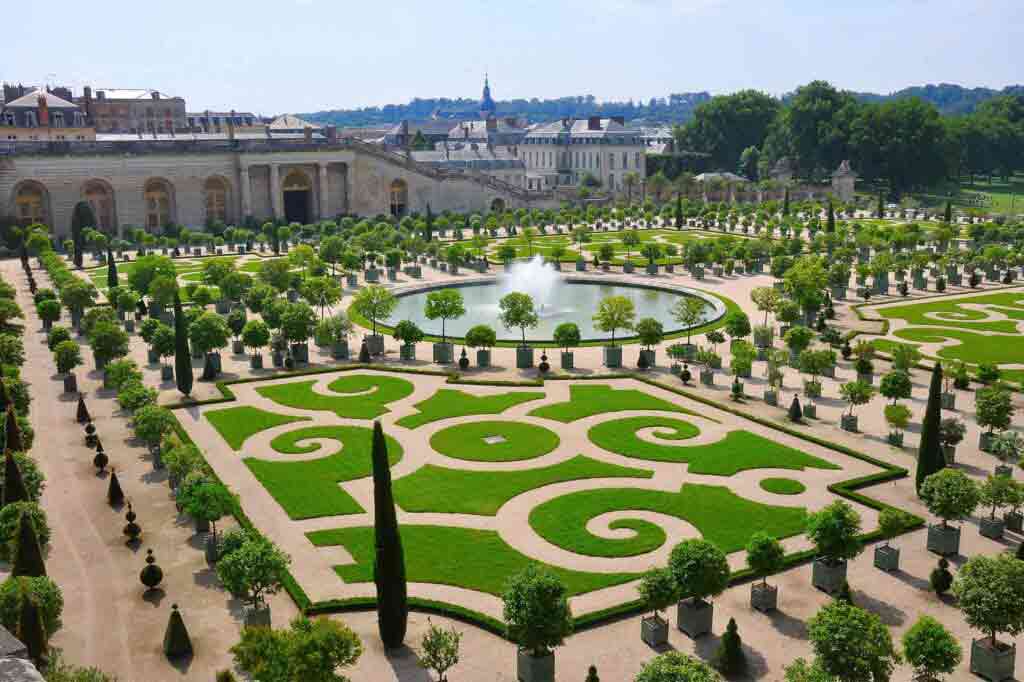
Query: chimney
621	120
155	95
332	133
100	95
492	124
44	112
307	134
594	123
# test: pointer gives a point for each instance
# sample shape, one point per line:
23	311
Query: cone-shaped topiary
389	565
796	413
111	270
182	358
730	659
100	460
364	352
151	575
176	640
930	457
82	416
131	529
115	496
592	674
941	579
14	483
12	432
28	555
31	631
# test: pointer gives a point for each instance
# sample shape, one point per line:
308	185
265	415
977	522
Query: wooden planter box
256	361
994	664
652	269
612	356
535	668
1014	521
887	558
828	578
237	347
444	353
950	453
581	266
649	356
707	377
848	422
340	351
70	383
372	275
810	410
943	540
948	401
694	617
896	439
375	344
257	618
567	361
991	528
764	597
524	357
167	373
771	398
483	357
627	267
407	352
654	631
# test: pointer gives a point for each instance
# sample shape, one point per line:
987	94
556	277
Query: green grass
999	196
738	451
954	315
462	557
310	489
448	403
236	424
973	348
457	491
782	486
368	395
720	515
467	441
588	400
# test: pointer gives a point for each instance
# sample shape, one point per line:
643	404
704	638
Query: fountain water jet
537	279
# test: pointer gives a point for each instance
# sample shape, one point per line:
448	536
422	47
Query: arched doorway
498	205
159	204
100	197
216	191
31	203
399	198
298	198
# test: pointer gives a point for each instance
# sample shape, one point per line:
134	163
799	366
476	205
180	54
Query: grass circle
619	436
494	441
782	486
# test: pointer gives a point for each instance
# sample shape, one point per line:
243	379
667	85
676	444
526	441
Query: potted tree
483	338
297	323
765	556
776	361
444	305
996	492
614	313
891	522
652	252
255	335
951	434
952	496
948	396
834	531
797	340
994	409
657	590
108	342
538	618
251	571
164	344
897	416
688	311
517	312
701	571
49	312
650	333
409	334
567	335
706	359
990	591
147	330
374	303
236	320
67	355
605	253
1007	447
742	363
208	334
854	393
1014	500
339	328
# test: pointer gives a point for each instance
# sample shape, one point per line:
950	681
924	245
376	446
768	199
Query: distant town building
120	110
492	130
782	171
487	106
658	140
564	153
290	123
42	116
502	163
843	182
218	121
402	134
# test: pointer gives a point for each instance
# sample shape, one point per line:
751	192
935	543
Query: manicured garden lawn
519	441
236	424
474	559
737	451
782	486
457	491
973	348
720	515
310	489
368	393
586	400
447	403
953	314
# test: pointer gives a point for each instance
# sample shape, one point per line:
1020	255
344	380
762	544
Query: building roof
129	93
427	127
291	122
31	101
244	134
478	128
581	127
471	156
222	114
727	177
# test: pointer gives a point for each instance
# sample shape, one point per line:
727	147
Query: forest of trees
904	144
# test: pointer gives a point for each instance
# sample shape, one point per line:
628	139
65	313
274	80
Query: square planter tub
887	558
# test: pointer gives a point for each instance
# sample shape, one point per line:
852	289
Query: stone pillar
275	190
246	186
324	203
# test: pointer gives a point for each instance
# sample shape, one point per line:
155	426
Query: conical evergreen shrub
930	457
28	554
12	432
14	484
31	631
182	358
82	416
592	674
729	658
177	643
364	352
111	269
389	563
796	413
115	496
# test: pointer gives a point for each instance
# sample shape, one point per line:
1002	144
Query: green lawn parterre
236	424
954	315
470	441
782	486
448	403
586	400
737	451
360	396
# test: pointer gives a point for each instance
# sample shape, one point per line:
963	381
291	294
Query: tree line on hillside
903	144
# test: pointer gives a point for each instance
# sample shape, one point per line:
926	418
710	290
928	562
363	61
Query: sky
275	56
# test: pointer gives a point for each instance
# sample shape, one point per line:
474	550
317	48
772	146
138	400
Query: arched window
158	204
101	199
399	198
216	200
30	203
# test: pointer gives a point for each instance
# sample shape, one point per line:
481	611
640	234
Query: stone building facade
133	110
844	180
563	153
42	116
150	183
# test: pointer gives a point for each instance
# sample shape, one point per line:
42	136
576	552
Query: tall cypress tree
949	212
880	209
111	271
182	358
830	226
428	230
12	432
28	555
679	211
30	629
785	203
14	484
930	457
389	562
81	218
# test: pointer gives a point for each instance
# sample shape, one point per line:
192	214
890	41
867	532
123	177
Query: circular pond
566	300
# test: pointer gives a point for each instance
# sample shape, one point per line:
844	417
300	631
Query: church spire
487	106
